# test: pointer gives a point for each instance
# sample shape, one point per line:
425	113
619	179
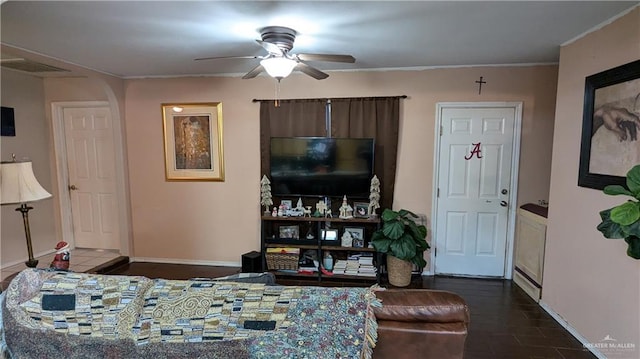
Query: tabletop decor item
62	257
265	194
374	197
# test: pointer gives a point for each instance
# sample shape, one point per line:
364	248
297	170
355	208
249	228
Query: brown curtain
292	118
376	118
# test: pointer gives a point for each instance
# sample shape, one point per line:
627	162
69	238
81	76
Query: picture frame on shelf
193	149
328	234
287	203
361	209
357	234
289	232
609	145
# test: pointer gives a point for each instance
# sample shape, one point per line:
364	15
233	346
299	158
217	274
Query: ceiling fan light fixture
278	67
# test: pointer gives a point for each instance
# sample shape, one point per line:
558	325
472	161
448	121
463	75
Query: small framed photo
328	234
287	203
361	209
357	236
289	232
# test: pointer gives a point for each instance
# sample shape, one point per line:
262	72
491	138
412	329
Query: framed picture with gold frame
193	148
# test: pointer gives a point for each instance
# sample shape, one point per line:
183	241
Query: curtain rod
332	98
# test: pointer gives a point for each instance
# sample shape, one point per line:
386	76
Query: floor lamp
19	185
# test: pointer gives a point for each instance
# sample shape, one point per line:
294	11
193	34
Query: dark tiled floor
505	322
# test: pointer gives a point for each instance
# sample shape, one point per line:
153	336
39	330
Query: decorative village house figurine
346	240
346	211
61	259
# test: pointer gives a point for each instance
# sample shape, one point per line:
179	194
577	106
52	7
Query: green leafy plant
401	237
623	221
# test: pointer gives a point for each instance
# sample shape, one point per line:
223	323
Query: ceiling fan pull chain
277	90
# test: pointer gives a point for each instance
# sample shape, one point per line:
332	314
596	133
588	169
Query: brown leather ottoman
420	323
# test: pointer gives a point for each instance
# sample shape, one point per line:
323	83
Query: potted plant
623	221
404	242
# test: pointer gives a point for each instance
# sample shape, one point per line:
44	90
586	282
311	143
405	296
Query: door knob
73	188
503	203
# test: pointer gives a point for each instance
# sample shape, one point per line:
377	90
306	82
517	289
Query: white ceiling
151	38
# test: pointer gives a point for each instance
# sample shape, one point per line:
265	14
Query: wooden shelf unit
270	238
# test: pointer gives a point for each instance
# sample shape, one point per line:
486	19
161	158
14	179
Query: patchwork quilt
78	315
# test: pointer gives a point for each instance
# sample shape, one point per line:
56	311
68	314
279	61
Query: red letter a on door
475	151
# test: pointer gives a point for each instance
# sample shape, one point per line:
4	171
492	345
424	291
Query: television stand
284	242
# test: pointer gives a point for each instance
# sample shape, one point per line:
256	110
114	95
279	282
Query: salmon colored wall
589	280
25	94
218	221
32	96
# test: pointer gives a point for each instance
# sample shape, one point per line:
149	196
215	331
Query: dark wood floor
505	322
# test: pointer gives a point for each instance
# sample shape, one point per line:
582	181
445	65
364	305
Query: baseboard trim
572	330
186	261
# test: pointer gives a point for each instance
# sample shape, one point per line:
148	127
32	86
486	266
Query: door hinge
440	130
435	252
438	193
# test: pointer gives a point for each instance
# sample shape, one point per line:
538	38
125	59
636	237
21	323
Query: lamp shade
278	67
18	184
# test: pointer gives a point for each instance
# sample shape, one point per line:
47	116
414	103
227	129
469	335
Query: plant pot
399	271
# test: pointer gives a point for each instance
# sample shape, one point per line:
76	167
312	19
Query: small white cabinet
531	233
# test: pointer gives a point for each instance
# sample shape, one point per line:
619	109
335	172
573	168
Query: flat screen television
321	166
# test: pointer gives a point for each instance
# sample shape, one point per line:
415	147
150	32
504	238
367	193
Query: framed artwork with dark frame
289	232
361	209
193	141
610	126
328	234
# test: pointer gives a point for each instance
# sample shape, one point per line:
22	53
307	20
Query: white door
473	185
92	185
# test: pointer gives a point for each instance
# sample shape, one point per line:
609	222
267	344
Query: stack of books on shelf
356	265
339	266
366	267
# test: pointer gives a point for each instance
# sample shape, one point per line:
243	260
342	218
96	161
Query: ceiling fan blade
326	57
227	57
311	71
253	73
272	48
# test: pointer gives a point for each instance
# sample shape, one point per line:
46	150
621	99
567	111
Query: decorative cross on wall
480	82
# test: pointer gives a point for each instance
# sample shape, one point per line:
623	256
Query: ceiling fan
279	62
